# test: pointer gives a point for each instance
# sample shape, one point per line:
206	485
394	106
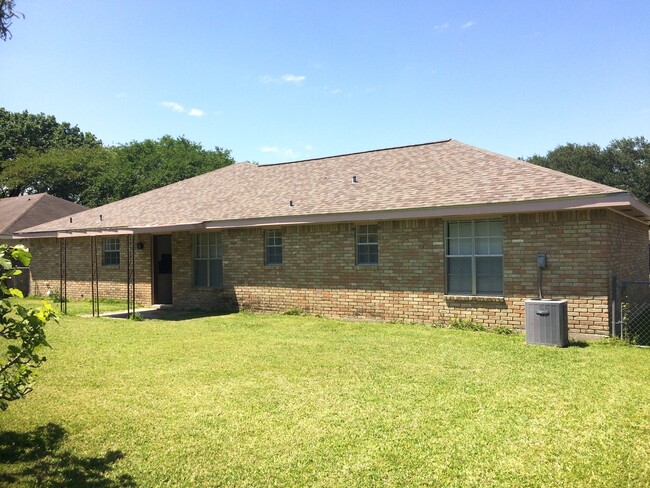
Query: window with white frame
111	254
208	261
273	246
474	251
367	244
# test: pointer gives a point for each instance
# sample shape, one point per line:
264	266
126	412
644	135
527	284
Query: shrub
466	324
22	334
502	329
293	311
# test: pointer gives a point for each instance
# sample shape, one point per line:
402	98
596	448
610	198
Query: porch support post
63	276
133	270
130	275
94	276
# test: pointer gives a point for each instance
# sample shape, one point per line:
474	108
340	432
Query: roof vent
70	219
291	203
100	217
354	179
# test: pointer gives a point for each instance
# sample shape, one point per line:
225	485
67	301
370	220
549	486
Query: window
367	244
208	262
273	246
475	257
111	255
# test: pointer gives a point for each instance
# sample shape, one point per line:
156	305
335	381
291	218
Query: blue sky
287	80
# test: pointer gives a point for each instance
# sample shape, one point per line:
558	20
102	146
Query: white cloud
282	151
120	95
288	78
293	78
469	24
177	107
440	26
332	91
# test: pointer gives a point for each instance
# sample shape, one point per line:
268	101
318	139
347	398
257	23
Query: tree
7	14
624	164
64	173
22	331
24	136
39	154
150	164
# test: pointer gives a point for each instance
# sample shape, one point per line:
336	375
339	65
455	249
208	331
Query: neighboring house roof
17	213
440	179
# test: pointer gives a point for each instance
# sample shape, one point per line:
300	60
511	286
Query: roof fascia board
94	233
613	201
609	201
62	234
640	206
163	229
166	229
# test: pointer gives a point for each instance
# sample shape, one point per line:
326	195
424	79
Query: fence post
623	301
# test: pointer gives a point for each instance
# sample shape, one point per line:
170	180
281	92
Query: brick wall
319	275
629	248
45	269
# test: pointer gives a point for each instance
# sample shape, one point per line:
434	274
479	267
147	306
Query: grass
259	400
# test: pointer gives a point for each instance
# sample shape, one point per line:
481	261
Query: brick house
421	233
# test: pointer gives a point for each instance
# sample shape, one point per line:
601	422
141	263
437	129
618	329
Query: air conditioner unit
547	322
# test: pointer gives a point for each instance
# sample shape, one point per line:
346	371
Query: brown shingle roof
438	175
17	213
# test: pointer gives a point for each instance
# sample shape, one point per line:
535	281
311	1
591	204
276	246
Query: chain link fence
635	312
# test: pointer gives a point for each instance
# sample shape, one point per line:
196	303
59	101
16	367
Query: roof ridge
441	141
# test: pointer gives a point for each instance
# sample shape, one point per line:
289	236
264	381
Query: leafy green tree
629	160
39	154
150	164
24	136
22	132
22	333
7	14
65	173
624	164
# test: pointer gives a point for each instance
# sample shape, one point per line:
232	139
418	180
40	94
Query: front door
162	269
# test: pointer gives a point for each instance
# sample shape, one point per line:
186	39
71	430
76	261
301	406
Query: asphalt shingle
439	174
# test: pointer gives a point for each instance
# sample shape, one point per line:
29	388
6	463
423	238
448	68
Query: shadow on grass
167	314
36	458
578	343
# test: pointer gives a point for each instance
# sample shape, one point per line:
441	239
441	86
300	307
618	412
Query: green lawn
259	400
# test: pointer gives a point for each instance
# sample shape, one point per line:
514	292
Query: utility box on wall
547	322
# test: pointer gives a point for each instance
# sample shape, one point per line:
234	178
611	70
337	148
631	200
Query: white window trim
267	246
219	257
473	257
357	244
111	246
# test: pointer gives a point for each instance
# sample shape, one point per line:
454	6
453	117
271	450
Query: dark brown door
162	269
